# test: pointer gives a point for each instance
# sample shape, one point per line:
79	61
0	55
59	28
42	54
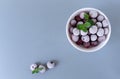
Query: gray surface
34	31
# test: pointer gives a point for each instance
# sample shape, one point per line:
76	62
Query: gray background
34	31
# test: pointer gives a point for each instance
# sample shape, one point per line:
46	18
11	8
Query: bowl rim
101	45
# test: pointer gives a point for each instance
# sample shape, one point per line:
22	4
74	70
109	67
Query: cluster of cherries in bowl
96	32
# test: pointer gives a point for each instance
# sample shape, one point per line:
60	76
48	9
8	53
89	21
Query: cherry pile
94	35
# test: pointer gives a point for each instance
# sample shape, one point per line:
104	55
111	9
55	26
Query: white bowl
93	49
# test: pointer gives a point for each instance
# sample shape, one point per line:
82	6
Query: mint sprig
88	22
36	70
86	16
84	27
91	22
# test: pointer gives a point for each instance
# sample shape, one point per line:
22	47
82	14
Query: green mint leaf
39	69
87	24
82	27
91	22
86	16
34	71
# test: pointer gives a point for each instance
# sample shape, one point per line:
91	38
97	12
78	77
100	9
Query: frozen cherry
77	18
71	29
93	29
94	43
43	69
75	38
86	45
101	38
50	64
106	31
73	22
82	15
93	14
93	37
100	18
79	42
100	32
85	38
76	31
99	24
33	66
105	23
